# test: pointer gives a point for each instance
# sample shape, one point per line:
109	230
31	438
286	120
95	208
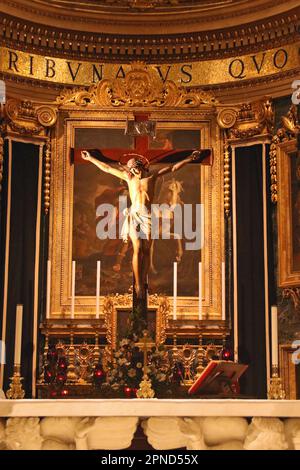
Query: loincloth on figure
137	224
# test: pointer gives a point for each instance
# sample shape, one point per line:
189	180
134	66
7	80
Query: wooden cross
142	147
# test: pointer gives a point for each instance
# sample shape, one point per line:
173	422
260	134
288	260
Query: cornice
31	37
170	21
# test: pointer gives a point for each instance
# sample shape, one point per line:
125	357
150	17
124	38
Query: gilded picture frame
71	117
117	310
288	211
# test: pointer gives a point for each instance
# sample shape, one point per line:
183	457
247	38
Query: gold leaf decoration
140	87
287	132
227	118
46	115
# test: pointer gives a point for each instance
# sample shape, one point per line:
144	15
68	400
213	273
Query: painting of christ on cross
140	170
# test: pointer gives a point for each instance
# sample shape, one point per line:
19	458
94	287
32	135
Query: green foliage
126	368
137	323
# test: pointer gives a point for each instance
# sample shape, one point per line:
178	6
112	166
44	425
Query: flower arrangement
126	369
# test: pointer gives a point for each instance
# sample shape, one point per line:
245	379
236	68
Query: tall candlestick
200	290
98	289
223	292
18	334
73	290
48	289
274	316
175	290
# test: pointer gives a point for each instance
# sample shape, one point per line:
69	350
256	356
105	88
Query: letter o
240	74
275	58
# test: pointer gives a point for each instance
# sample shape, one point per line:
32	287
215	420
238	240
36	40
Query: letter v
258	66
73	75
164	78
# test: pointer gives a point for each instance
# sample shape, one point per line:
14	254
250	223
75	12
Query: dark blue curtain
250	264
3	205
24	195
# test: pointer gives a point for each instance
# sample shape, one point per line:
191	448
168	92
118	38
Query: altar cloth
150	407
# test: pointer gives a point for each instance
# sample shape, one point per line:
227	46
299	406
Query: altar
150	407
167	424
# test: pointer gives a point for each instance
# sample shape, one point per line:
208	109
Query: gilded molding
273	170
227	117
217	43
109	17
112	303
227	179
141	87
162	316
47	175
254	118
46	115
145	4
287	132
109	313
243	122
208	73
27	118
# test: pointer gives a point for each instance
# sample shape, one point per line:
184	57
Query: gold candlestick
45	355
15	391
96	353
275	390
200	357
71	370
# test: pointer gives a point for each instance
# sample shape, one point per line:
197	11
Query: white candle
200	290
18	334
223	292
73	289
98	289
48	289
175	290
274	316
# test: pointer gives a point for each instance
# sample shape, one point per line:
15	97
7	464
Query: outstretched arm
171	168
103	166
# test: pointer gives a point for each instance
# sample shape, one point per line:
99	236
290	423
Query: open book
215	375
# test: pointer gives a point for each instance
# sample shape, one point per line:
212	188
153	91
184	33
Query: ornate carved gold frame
62	202
287	276
111	305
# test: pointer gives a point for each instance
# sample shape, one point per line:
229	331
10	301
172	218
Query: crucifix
141	178
145	388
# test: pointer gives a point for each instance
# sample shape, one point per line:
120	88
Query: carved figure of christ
141	181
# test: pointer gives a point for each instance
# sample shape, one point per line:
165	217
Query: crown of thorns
135	161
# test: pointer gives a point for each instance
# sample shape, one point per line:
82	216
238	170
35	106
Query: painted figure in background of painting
170	194
141	183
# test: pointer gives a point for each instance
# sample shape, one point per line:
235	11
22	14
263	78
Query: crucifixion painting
137	170
141	181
